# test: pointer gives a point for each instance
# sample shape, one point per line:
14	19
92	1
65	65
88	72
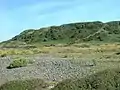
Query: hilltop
72	33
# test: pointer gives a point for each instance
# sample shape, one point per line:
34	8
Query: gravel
45	67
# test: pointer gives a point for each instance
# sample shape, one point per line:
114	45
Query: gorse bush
20	62
104	80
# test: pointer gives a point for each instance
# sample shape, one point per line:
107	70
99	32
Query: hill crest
73	32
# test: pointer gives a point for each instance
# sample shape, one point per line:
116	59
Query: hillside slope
74	32
104	80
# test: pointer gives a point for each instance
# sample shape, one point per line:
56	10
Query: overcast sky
18	15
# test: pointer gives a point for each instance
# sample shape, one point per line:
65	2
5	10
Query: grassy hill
71	33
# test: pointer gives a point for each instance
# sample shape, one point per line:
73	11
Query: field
55	63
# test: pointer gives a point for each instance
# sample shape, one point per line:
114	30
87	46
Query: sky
19	15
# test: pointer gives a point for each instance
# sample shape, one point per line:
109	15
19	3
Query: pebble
44	67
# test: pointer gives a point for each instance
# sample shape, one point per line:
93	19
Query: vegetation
87	44
71	33
3	55
33	84
20	62
105	80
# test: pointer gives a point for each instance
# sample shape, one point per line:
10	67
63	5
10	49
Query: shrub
65	56
18	63
104	80
33	84
3	55
117	53
85	46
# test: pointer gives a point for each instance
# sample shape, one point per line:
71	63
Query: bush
85	46
65	56
104	80
117	53
33	84
18	63
3	55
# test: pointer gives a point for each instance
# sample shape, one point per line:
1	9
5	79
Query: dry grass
104	54
75	49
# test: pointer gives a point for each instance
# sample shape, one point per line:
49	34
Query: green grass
33	84
105	80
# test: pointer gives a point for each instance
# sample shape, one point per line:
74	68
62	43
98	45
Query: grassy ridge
71	33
